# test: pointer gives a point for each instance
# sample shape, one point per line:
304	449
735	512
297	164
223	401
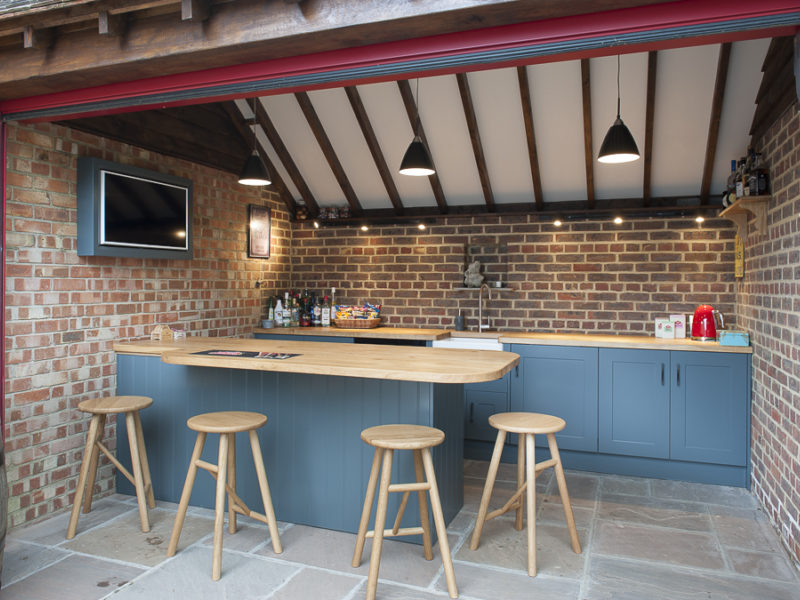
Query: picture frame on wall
258	231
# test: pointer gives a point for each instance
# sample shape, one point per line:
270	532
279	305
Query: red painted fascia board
683	13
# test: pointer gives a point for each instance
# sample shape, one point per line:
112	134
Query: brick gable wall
769	308
63	311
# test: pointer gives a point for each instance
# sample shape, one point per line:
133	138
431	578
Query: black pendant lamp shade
416	160
618	146
255	171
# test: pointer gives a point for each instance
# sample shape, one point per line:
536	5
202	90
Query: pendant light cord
416	121
254	125
618	113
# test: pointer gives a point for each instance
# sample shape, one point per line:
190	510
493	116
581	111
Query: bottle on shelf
295	313
278	313
730	189
287	310
270	310
316	313
326	313
759	177
740	177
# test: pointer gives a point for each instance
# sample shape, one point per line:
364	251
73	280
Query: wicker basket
357	323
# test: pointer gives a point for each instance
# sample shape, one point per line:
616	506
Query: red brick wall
769	308
63	311
585	276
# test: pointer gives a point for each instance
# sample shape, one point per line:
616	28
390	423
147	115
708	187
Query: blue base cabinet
481	401
634	402
560	381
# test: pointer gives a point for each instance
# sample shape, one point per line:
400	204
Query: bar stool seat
526	425
227	424
99	408
386	439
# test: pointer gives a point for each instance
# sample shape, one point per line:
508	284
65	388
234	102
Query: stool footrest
211	468
115	462
545	464
400	531
409	487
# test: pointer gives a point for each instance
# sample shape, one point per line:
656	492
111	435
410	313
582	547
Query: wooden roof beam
195	10
413	117
475	139
327	149
247	135
649	119
111	24
530	135
587	131
374	147
713	125
288	162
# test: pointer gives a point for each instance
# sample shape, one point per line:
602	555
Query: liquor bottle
287	310
730	189
759	177
279	314
316	313
295	318
326	313
740	178
270	310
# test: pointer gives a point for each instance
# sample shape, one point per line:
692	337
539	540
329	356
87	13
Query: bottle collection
300	310
749	177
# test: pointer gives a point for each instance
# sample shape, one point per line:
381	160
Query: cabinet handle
662	373
471	412
516	371
679	374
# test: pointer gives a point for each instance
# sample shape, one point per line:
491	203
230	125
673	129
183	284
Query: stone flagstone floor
643	539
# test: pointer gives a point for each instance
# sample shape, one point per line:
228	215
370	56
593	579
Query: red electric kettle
704	323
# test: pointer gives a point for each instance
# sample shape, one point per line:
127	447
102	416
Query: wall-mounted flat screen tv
128	211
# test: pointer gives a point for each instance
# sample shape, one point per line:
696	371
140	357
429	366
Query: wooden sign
738	257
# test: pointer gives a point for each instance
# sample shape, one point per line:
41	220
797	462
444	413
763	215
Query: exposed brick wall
769	308
63	311
583	277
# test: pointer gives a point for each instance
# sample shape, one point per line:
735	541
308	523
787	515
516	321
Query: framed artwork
258	232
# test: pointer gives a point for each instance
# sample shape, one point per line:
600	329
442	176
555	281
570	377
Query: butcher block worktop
432	365
642	342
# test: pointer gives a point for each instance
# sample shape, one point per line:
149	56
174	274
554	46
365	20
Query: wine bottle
326	313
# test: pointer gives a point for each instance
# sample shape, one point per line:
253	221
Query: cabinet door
709	414
560	381
481	401
634	402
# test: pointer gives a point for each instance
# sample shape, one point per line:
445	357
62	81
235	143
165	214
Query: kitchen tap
488	325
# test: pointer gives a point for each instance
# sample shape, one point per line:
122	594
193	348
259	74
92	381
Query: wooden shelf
505	288
739	212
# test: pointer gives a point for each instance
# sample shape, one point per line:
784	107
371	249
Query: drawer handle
679	374
662	373
471	412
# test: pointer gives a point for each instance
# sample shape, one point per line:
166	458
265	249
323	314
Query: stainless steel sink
469	343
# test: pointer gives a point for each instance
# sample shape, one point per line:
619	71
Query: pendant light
618	146
416	161
255	171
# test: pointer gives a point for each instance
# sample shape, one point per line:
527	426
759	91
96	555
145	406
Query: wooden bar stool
99	408
386	439
526	425
227	424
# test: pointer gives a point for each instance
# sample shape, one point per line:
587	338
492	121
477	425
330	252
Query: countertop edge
622	341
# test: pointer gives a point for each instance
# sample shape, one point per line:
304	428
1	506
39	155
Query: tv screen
128	211
142	213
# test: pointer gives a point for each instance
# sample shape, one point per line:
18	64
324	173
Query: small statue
472	276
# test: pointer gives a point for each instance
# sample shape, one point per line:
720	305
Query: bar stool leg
562	490
380	523
148	483
138	477
91	438
92	474
219	507
423	507
438	519
186	494
520	479
266	497
369	498
231	482
530	498
487	489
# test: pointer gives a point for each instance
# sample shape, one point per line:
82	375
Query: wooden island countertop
402	363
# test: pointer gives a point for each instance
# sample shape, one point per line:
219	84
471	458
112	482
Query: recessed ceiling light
700	219
618	220
316	224
364	228
557	222
421	226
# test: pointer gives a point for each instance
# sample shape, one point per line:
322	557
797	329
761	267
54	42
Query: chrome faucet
488	325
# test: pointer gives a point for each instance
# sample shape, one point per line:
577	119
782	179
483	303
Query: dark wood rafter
530	135
37	38
413	118
777	90
649	119
246	134
374	147
713	125
286	159
475	139
327	149
587	131
195	10
111	24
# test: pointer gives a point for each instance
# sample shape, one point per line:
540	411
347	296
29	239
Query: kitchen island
318	400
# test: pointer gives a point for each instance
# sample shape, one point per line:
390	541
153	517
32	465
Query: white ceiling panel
684	92
558	121
495	95
386	112
618	180
341	126
738	106
291	124
448	137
